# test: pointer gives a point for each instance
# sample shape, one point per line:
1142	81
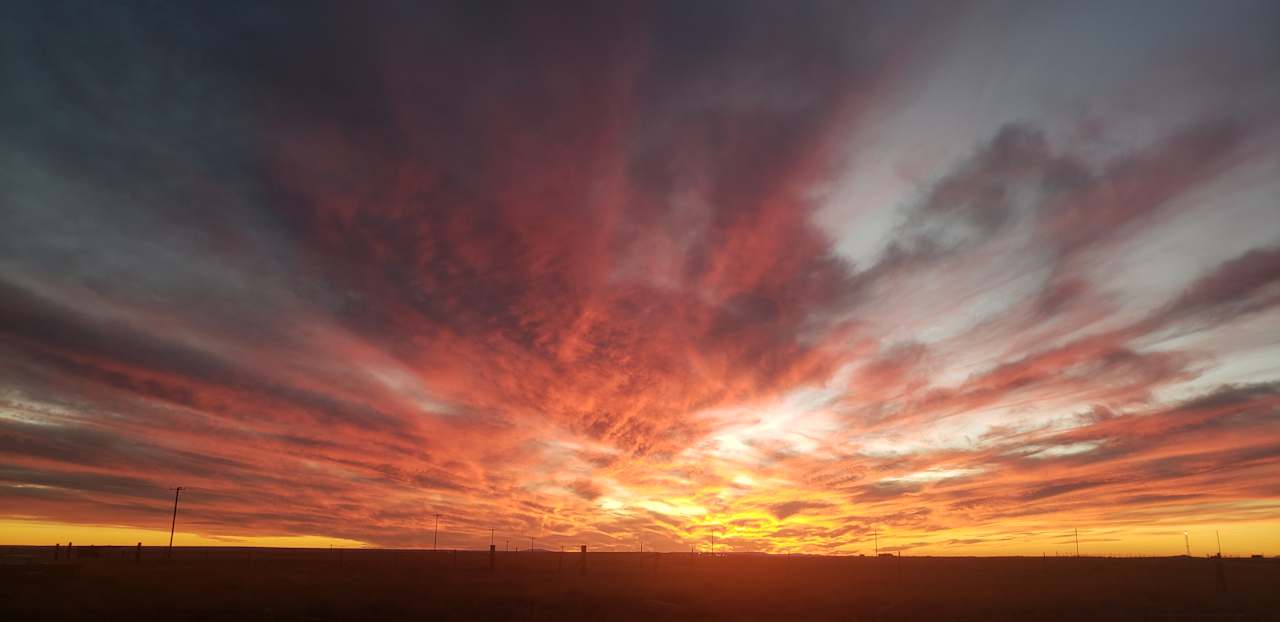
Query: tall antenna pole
436	534
1219	537
173	523
1077	542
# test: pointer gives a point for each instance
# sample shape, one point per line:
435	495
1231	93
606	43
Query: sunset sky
966	275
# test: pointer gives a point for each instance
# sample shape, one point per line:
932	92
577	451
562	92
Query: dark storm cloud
1071	205
151	367
1053	490
82	483
1223	437
104	450
791	508
1243	285
585	489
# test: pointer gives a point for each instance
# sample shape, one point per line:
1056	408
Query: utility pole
530	544
1077	542
490	536
174	522
1219	537
436	534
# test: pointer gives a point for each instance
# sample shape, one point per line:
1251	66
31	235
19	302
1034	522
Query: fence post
582	563
137	554
493	556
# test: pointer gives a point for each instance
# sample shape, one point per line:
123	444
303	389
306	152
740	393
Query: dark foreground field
262	584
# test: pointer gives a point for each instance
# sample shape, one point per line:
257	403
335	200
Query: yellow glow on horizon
1239	539
755	531
36	533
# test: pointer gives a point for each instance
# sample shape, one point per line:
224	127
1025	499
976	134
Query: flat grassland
277	584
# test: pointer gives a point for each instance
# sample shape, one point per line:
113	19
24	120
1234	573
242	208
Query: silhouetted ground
274	584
